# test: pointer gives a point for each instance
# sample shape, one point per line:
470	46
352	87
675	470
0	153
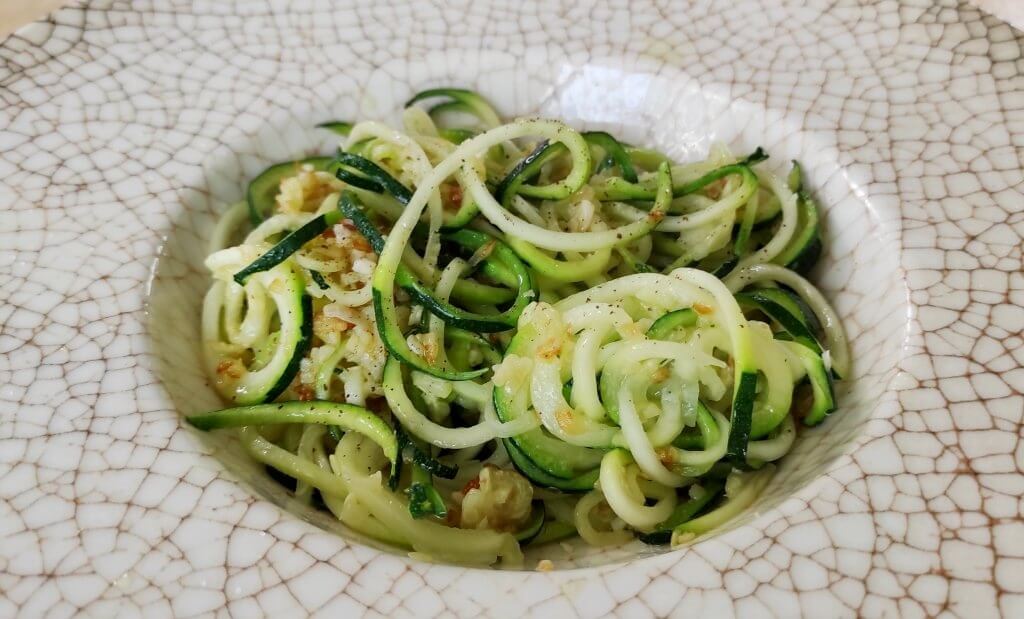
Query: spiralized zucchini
460	339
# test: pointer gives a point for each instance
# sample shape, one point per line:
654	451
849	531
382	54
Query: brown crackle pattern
125	128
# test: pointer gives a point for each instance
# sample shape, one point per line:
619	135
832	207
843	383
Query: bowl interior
643	102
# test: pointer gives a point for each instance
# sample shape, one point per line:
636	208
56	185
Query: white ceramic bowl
124	131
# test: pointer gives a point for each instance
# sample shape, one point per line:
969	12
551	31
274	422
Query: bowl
131	131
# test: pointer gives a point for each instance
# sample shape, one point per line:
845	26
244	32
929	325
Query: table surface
16	13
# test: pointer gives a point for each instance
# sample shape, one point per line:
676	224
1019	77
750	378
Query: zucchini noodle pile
466	336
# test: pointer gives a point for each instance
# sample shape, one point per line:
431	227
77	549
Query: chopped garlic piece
501	502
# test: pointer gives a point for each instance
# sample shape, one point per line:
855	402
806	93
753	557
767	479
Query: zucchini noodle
834	333
583	521
461	340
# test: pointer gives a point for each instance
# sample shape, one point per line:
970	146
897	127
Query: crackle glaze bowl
125	129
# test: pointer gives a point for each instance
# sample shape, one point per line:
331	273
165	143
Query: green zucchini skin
401	442
824	394
348	204
620	189
424	499
341	127
290	244
795	322
596	262
501	255
419	455
808	259
742	416
472	321
582	483
533	526
469	239
460	100
605	163
631	262
726	267
646	158
693	438
542	458
390	334
394	341
615	151
689	439
719	263
553	531
456	136
608	386
683	512
795	178
461	218
346	416
295	311
560	270
335	432
822	387
491	354
610	381
358	181
667	323
526	169
784	308
264	188
741	240
449	106
472	292
767	213
802	252
462	95
301	348
319	280
376	174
